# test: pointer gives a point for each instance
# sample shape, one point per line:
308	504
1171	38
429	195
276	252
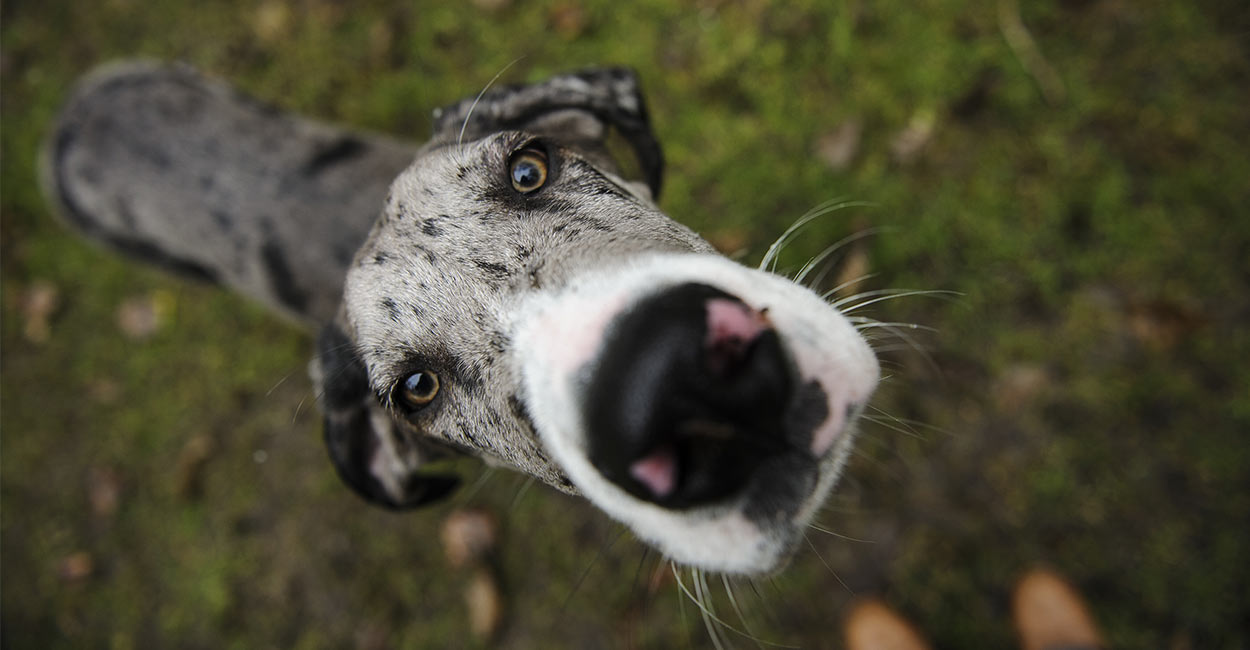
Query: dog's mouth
705	405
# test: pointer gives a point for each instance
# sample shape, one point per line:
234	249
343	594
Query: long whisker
815	261
831	571
907	431
700	599
841	536
468	493
769	262
888	294
602	549
477	99
910	423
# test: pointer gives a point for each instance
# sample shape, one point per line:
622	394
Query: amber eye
417	390
528	169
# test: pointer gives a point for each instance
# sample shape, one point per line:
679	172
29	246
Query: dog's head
521	301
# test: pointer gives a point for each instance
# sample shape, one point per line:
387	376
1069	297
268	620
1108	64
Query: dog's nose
688	397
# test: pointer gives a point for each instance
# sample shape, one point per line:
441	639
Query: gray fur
427	260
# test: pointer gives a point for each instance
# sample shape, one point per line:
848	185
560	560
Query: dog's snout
688	397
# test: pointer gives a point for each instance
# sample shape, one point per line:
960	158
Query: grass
1087	412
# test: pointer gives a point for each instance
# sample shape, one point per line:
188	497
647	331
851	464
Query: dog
507	290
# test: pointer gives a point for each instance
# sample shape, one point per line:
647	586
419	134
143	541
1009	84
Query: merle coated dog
506	290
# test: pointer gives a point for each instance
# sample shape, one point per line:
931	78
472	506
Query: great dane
507	290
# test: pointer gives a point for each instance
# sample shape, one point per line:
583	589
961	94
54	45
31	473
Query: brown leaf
1161	324
271	21
1019	386
907	145
468	535
838	147
854	269
103	491
39	303
76	567
569	20
139	317
485	604
730	243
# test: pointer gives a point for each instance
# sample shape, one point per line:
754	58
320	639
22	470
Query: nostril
687	397
657	471
732	327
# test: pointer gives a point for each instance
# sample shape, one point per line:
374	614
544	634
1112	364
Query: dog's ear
369	453
609	97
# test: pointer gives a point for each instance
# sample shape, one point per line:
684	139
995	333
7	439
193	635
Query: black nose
688	397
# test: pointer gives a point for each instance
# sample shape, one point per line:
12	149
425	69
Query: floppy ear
609	97
369	453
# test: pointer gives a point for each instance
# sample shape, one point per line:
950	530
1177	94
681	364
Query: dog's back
167	166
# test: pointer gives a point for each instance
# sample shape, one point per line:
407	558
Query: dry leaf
103	491
139	317
76	567
912	139
39	304
468	535
569	20
485	605
838	148
270	21
1018	386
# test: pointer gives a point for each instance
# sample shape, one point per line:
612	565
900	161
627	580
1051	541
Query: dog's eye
528	169
416	391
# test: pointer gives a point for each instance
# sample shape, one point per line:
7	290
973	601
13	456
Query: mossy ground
1085	408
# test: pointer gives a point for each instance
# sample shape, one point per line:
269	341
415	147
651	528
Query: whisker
907	431
769	262
525	487
867	323
477	99
831	571
700	588
701	599
280	382
849	239
468	493
299	406
845	285
888	294
595	560
910	422
841	536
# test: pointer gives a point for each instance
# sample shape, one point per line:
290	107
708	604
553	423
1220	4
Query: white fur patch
558	334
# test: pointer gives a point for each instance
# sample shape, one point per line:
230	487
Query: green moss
1101	239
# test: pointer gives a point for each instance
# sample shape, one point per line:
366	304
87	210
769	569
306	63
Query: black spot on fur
392	310
592	223
281	280
493	269
381	258
339	151
430	228
429	254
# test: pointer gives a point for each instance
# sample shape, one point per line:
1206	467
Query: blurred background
1076	170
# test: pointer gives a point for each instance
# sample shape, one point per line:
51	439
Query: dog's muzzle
706	405
689	398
